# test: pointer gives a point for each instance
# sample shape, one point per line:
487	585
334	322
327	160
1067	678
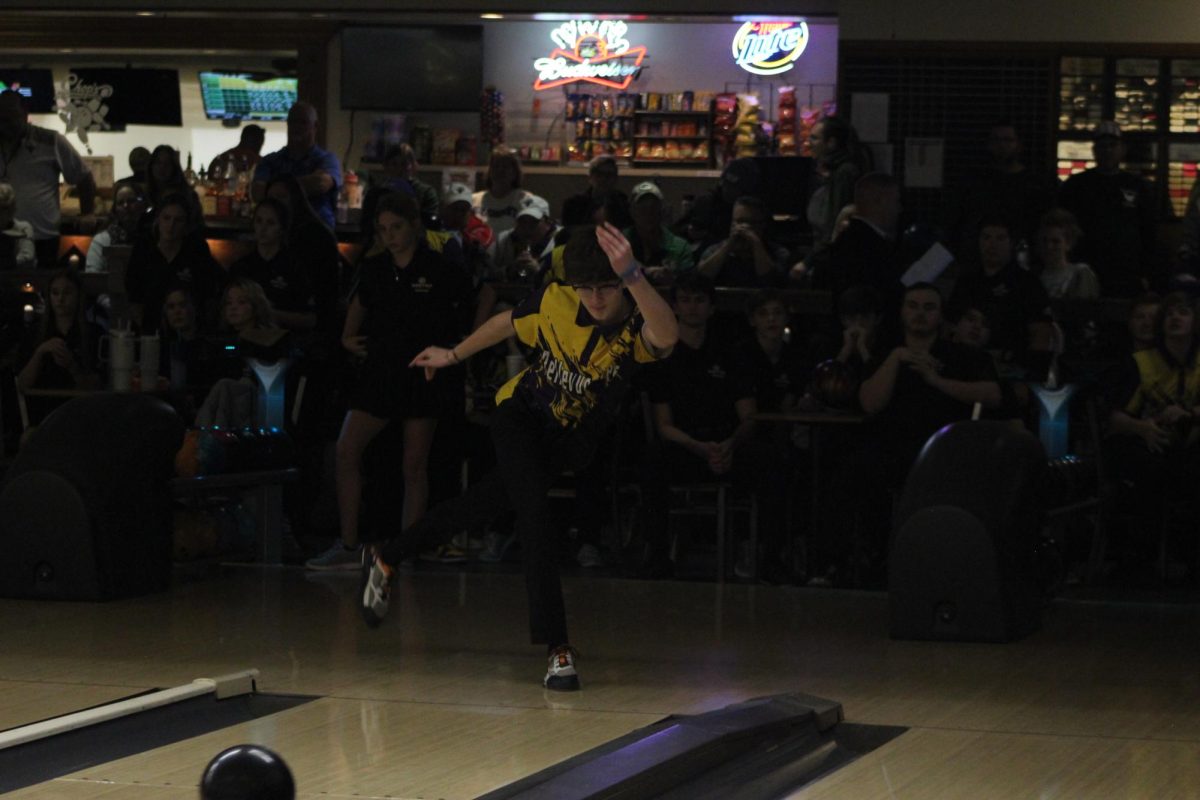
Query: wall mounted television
35	85
239	95
412	68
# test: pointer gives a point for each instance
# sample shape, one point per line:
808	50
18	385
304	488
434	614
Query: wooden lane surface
23	702
444	701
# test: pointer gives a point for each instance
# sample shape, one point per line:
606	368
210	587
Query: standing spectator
601	201
746	257
317	169
31	160
165	179
1116	212
271	265
139	167
169	259
400	175
707	221
17	250
503	197
405	300
245	156
314	248
834	146
1057	237
866	253
1006	187
662	253
128	207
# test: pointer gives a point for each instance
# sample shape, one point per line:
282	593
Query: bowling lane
367	748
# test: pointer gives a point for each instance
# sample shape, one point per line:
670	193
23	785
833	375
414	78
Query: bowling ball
247	772
835	385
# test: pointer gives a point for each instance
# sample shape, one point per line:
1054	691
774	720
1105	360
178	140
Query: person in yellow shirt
588	336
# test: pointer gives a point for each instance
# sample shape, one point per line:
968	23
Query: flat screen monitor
140	96
232	95
435	68
35	85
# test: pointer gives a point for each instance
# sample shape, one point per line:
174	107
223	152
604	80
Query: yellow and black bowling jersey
1163	382
578	366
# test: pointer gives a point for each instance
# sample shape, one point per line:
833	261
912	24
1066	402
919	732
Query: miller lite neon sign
591	51
769	48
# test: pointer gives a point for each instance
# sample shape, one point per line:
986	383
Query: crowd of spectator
1023	298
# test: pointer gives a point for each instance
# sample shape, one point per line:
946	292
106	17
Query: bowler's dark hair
696	282
584	260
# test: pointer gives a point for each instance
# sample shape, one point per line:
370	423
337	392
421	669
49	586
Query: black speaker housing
962	564
85	509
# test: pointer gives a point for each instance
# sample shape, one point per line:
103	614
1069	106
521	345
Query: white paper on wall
923	159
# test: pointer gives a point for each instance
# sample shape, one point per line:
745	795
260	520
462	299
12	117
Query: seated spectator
16	236
170	258
860	310
775	368
1155	403
746	257
272	266
660	252
602	201
128	208
1020	316
970	325
458	218
503	197
191	361
707	221
243	157
703	419
923	384
314	247
61	354
1143	317
1061	278
521	254
245	313
866	253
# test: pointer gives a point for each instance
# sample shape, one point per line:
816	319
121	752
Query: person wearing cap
458	218
602	198
1115	210
521	253
663	253
245	156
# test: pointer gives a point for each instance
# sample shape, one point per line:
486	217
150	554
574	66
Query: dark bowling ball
834	385
247	772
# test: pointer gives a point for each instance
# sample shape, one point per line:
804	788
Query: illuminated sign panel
592	51
769	48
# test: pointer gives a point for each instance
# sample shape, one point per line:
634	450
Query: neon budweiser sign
591	51
769	48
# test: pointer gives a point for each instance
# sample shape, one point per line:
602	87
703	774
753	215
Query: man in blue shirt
318	170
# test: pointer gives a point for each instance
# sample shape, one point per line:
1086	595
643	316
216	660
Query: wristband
633	269
454	355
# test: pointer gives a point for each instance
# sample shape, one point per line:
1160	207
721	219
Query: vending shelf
690	138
